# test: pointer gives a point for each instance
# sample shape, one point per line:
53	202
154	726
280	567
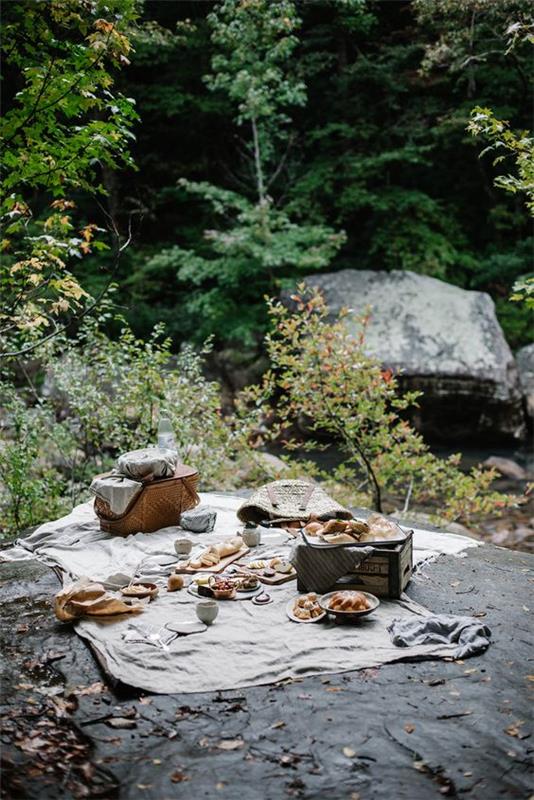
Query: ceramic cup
207	611
251	537
183	546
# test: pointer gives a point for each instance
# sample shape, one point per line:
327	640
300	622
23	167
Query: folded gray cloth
471	635
318	569
198	520
116	490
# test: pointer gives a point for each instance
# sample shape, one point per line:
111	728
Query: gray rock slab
525	366
441	339
407	730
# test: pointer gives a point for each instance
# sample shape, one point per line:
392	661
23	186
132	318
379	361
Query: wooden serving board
223	563
278	578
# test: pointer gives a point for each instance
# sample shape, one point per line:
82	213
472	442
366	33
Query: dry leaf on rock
121	722
409	728
515	728
230	744
349	752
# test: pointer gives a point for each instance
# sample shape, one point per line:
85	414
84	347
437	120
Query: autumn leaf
409	728
349	752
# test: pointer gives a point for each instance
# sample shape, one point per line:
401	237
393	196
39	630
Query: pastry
382	528
174	582
335	526
338	538
247	583
313	528
280	565
348	601
306	607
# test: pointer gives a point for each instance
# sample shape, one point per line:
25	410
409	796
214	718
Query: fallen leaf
526	608
467	774
349	752
289	760
305	696
156	761
470	671
279	724
530	677
144	786
420	766
479	614
179	777
220	786
121	722
230	744
145	701
515	728
22	628
409	728
455	583
27	686
335	689
93	688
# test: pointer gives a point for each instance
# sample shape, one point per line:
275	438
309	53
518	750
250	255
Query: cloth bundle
471	636
122	486
318	570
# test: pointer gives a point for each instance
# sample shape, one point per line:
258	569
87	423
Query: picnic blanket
247	645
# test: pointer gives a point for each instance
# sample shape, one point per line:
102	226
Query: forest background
171	164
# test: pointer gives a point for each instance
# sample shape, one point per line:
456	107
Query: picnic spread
177	591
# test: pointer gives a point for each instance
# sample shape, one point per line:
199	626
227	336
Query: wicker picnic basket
158	505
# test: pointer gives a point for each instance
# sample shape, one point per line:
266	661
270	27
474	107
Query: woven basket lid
290	500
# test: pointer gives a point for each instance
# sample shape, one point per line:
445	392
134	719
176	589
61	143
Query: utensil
207	611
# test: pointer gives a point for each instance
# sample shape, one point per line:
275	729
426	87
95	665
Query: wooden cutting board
278	577
223	563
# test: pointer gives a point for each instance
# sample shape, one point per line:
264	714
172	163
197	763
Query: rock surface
440	339
409	731
507	467
525	365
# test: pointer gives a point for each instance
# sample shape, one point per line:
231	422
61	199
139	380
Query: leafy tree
63	124
322	380
255	243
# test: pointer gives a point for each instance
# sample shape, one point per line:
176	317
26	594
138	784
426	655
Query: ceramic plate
293	618
375	602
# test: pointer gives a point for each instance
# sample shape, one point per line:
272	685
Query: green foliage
31	488
375	146
61	128
321	378
506	143
103	397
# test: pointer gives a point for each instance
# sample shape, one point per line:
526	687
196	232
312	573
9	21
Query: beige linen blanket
248	644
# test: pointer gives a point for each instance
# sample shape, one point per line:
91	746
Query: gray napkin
471	635
318	569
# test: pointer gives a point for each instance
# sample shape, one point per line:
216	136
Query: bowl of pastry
349	604
305	608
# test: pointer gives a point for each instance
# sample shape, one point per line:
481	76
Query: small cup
251	537
183	546
207	611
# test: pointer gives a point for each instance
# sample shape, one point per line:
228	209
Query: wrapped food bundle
86	598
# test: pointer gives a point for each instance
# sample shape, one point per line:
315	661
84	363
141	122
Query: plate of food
225	587
376	530
305	608
347	604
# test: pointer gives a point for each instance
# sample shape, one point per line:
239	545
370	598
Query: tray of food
271	571
225	587
376	530
305	608
215	557
349	605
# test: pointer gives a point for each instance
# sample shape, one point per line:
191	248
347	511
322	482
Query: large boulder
440	339
525	365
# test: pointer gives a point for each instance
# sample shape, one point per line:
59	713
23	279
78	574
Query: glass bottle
166	438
